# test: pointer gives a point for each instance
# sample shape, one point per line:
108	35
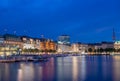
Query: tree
95	51
118	50
90	50
107	50
111	50
101	50
42	51
98	50
36	50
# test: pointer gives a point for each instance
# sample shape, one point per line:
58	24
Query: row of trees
101	50
37	50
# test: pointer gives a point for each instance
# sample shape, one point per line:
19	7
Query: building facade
105	45
117	45
64	39
28	42
79	48
11	44
61	48
47	45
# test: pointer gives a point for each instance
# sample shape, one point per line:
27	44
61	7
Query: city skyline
85	21
62	39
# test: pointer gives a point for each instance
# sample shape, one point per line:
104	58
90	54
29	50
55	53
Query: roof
10	35
64	35
104	42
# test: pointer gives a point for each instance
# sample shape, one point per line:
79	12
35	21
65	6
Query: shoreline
42	58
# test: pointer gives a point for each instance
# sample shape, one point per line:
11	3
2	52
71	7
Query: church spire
113	35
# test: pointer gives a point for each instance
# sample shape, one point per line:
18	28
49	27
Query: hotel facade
12	44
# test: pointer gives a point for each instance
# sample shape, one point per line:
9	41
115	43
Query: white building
117	45
63	48
105	45
79	48
97	45
28	43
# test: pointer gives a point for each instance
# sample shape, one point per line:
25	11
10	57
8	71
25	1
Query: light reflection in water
116	68
26	71
40	72
83	68
75	69
20	75
7	72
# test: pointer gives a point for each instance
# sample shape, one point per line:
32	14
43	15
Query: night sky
83	20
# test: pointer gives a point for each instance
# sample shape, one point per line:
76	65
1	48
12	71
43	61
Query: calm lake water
72	68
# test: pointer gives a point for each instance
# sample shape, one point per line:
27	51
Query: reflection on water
81	68
116	68
75	69
20	75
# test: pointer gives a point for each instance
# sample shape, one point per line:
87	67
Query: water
73	68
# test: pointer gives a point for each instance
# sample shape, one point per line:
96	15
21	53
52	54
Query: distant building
102	45
42	44
79	48
1	39
11	44
61	48
12	40
47	45
64	39
76	47
117	45
105	45
92	47
98	46
2	45
28	42
37	43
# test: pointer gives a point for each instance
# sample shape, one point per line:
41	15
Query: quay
31	57
23	58
36	57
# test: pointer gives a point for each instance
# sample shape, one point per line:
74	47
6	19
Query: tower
113	35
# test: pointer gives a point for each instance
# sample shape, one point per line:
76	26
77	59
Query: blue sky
83	20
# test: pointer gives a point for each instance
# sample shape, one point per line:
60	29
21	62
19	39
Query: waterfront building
64	39
61	48
117	45
43	44
47	45
1	39
12	40
98	46
105	45
63	44
75	47
37	43
11	44
28	42
79	48
1	45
